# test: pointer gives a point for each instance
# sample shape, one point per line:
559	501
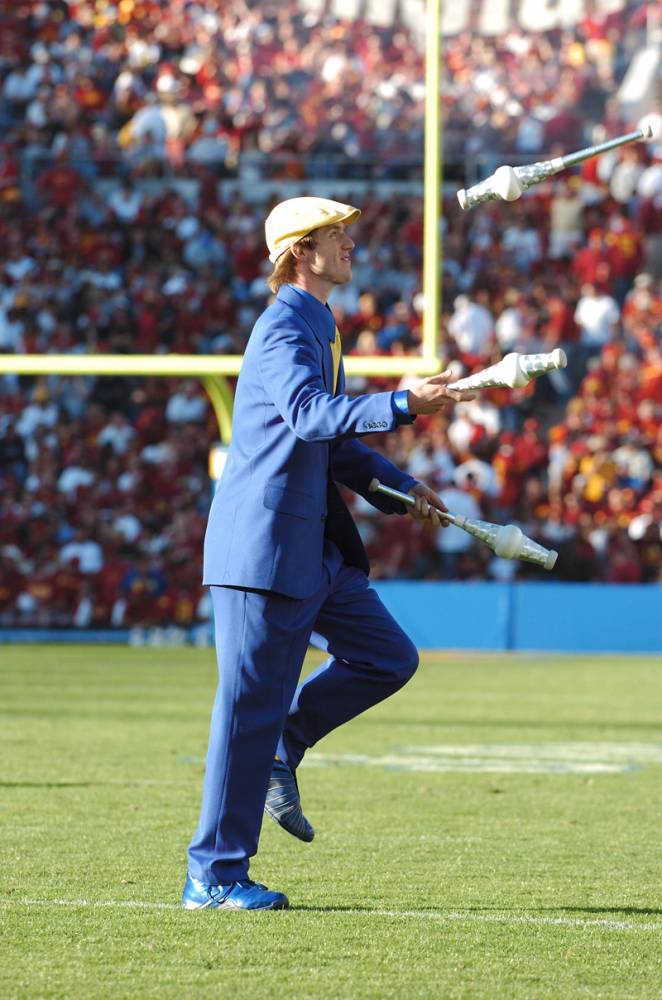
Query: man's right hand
431	394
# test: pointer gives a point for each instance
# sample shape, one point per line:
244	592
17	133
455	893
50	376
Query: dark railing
251	170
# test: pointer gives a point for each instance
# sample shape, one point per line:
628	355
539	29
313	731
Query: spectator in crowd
597	315
13	459
187	405
117	434
472	327
565	218
85	552
521	244
452	543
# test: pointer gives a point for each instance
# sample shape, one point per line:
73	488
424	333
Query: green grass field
493	831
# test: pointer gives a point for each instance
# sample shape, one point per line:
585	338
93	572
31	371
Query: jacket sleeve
290	367
354	464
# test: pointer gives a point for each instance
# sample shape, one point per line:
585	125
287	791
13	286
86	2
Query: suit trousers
261	641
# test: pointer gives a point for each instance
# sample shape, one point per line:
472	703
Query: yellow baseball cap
291	220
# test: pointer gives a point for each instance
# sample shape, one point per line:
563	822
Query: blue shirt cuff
401	408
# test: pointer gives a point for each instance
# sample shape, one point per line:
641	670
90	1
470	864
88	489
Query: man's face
330	258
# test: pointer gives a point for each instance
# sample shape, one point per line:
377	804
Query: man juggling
284	561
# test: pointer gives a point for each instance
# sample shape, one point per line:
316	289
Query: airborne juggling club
509	183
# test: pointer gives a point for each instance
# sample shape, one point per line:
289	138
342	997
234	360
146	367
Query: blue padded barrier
23	636
588	617
450	615
528	616
556	617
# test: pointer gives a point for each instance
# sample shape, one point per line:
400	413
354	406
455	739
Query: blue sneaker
244	895
283	803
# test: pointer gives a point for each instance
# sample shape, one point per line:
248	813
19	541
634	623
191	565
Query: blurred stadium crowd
141	145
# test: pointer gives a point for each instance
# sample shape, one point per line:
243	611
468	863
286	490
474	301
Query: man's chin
340	276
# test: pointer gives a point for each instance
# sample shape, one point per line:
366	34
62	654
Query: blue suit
286	567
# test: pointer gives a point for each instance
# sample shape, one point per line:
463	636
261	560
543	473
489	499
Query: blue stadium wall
529	616
479	616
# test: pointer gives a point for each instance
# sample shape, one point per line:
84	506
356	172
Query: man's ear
298	251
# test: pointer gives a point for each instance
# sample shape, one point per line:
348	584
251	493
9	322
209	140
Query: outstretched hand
431	394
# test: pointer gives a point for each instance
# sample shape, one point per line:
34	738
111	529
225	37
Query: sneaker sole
271	906
233	906
293	833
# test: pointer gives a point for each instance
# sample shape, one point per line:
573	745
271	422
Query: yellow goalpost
213	370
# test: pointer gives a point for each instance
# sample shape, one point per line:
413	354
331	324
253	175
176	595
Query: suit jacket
292	440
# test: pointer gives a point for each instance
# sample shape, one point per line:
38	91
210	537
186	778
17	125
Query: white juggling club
509	183
513	371
505	540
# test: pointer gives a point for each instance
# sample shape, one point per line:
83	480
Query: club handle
407	499
388	491
571	159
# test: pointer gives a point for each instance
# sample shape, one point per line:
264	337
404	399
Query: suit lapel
340	388
327	364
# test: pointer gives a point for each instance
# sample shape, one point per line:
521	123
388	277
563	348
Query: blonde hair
285	268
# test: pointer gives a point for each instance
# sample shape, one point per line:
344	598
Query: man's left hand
428	505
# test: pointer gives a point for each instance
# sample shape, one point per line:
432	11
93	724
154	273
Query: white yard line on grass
122	904
560	758
518	918
453	917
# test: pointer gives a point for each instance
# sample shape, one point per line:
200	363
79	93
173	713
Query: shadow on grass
50	784
128	783
615	911
566	725
644	911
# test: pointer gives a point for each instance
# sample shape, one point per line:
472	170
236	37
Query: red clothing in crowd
592	265
60	184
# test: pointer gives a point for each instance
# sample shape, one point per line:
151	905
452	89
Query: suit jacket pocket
287	501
